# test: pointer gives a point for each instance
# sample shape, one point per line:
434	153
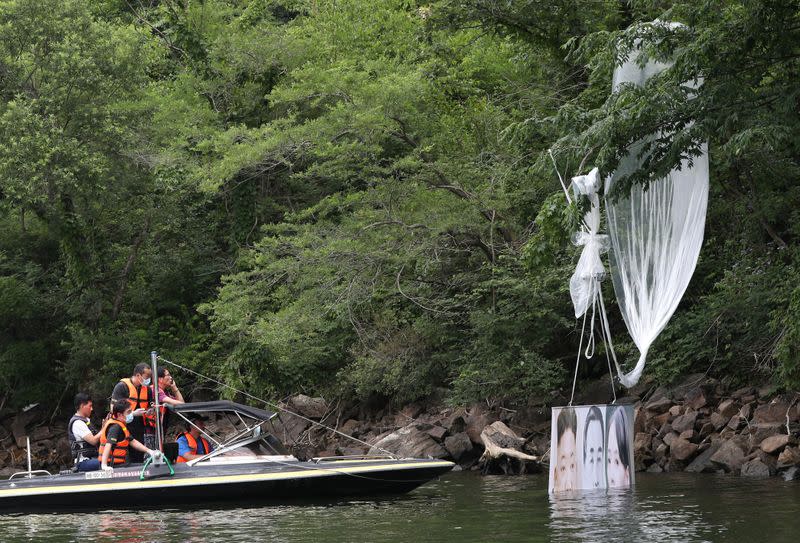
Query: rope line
276	406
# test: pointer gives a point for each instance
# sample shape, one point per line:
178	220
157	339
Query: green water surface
463	507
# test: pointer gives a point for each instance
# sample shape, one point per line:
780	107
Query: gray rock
641	442
684	422
703	463
719	421
437	433
776	412
774	443
791	474
458	446
655	468
313	408
659	405
669	438
410	442
730	456
695	398
755	468
682	449
790	456
728	408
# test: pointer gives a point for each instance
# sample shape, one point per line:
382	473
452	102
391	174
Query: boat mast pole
154	364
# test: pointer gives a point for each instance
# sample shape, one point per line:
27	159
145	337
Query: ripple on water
462	507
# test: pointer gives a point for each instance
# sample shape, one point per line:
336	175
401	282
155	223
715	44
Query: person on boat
83	437
116	440
192	444
138	393
168	394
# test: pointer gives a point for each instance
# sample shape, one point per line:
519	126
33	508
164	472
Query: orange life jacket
119	450
193	445
139	399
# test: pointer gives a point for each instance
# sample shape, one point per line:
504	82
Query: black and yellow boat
247	467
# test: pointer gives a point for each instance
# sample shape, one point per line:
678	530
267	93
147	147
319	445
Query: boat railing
321	459
31	473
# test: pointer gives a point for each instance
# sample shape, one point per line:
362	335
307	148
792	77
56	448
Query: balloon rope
578	359
607	339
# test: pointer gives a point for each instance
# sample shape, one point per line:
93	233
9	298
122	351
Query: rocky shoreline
695	426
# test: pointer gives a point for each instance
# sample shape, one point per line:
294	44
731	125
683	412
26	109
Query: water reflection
464	508
622	515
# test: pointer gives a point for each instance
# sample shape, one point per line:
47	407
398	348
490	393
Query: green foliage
356	197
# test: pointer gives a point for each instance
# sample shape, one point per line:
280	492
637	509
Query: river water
463	507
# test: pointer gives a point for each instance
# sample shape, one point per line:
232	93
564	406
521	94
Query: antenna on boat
154	365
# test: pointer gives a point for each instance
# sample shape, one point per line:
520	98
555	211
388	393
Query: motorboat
249	464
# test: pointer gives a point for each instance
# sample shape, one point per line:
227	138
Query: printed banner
591	447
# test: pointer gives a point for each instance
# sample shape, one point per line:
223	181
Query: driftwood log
503	452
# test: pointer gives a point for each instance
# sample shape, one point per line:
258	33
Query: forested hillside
355	197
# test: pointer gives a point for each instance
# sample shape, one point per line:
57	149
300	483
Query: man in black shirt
136	389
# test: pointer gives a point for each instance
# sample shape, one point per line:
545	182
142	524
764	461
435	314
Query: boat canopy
222	406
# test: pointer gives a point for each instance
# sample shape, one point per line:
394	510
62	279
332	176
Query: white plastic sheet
584	283
656	236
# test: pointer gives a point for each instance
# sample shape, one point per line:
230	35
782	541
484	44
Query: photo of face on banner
591	448
594	459
619	447
564	457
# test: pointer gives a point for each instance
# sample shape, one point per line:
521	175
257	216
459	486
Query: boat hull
251	483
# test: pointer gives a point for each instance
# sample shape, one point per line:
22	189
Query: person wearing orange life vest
116	440
192	444
136	390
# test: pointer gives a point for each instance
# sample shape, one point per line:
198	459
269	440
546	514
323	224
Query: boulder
719	421
706	430
755	468
682	449
660	452
728	408
684	422
313	408
730	456
790	456
774	443
687	435
659	405
410	442
703	463
456	422
476	423
41	433
458	446
676	410
639	419
288	428
779	410
350	427
641	442
760	432
669	438
437	433
412	411
746	412
736	422
655	468
695	398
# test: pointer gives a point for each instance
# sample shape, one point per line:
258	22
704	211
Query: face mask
146	382
128	418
